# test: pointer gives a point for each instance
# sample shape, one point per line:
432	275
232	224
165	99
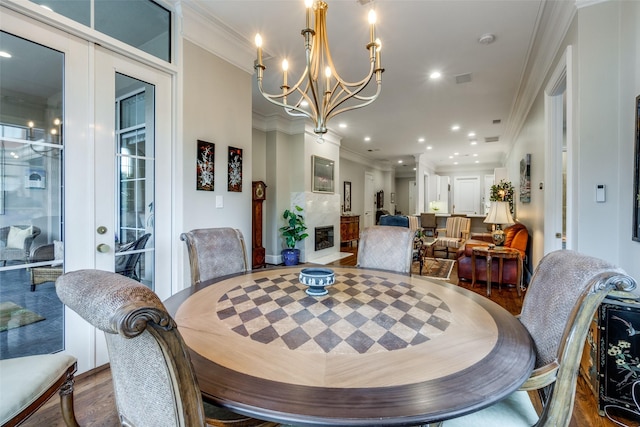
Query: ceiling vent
363	2
497	121
463	78
491	139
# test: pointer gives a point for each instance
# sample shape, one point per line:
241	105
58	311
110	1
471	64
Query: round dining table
379	349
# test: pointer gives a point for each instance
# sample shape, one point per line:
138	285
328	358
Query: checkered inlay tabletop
362	313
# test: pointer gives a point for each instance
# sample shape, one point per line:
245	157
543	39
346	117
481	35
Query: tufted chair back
386	248
152	374
215	252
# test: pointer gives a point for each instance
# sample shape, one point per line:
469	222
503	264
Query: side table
426	245
501	254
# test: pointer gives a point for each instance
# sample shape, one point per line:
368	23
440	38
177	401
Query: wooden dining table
380	349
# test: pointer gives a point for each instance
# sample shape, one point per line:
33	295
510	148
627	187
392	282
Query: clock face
259	191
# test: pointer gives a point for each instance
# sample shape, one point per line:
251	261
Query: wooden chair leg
66	402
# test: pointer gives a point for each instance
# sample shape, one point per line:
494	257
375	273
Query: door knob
103	248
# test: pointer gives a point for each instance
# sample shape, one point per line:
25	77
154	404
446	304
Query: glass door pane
31	197
135	163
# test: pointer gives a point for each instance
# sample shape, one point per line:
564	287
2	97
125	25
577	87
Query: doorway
558	194
113	134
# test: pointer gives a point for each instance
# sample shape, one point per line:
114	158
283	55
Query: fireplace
324	237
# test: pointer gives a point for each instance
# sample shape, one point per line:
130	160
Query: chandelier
320	93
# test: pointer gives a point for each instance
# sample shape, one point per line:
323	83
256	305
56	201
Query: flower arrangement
503	192
626	362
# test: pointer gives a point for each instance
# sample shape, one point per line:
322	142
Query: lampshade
499	213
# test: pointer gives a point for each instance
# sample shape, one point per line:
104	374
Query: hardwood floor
95	404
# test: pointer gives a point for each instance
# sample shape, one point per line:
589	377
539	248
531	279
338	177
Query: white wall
217	108
606	40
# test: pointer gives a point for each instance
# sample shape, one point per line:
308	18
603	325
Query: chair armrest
42	253
541	377
464	235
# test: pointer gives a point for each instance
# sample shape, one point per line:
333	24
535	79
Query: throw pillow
16	237
58	250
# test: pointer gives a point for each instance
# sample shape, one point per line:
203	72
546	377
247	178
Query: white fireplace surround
320	210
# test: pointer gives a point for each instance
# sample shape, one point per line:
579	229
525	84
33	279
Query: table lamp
499	215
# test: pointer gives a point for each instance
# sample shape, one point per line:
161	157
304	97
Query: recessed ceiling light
474	142
456	154
429	147
414	168
455	128
455	163
304	104
5	54
451	157
471	134
399	161
420	140
475	154
343	125
367	138
477	161
435	75
487	38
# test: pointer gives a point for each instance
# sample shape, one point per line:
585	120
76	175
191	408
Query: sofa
516	237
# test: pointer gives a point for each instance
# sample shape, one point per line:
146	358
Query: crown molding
358	158
553	23
205	30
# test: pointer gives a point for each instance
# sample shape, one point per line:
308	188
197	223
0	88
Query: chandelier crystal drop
320	93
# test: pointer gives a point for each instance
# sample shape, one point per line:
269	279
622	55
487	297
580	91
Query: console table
349	228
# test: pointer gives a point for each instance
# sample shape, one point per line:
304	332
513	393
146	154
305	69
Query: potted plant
293	232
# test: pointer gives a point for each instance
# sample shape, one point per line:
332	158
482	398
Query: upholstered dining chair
563	296
386	248
15	242
215	252
454	235
28	382
153	379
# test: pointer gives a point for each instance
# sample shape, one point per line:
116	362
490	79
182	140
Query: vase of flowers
503	192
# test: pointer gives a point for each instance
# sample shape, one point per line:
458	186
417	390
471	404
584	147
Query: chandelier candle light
316	97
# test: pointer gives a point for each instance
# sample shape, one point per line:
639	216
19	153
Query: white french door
100	200
132	146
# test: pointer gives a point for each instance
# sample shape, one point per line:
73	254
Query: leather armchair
516	237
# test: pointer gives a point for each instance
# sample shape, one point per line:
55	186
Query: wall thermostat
600	193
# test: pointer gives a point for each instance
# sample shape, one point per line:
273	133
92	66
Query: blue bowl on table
317	279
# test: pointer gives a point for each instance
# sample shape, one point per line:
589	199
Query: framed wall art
322	171
205	166
235	170
347	196
636	177
525	179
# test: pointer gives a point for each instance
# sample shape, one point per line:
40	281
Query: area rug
434	268
13	316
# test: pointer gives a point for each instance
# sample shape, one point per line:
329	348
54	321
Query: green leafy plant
295	229
503	192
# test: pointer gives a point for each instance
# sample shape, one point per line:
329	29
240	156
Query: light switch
219	202
600	193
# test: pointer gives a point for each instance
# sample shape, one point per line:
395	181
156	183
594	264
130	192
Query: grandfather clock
259	194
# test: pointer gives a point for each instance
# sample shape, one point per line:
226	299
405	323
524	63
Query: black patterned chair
558	308
153	378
